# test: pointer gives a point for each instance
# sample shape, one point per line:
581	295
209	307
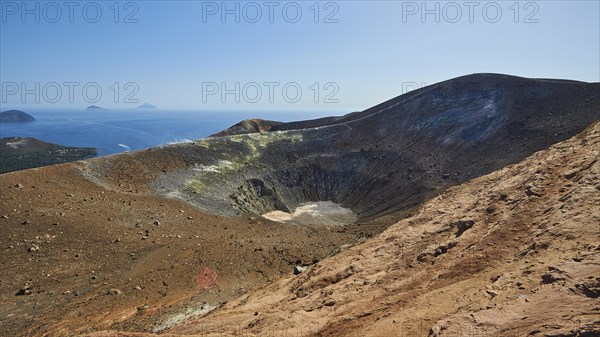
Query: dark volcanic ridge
248	126
383	161
15	116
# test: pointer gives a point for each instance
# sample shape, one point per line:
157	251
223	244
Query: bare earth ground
513	253
77	256
101	246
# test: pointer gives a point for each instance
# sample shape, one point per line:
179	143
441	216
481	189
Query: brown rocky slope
513	253
78	257
141	241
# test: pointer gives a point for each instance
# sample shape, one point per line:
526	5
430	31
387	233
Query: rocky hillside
513	253
18	153
379	162
81	255
150	241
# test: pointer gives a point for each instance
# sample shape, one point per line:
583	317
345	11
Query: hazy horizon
320	111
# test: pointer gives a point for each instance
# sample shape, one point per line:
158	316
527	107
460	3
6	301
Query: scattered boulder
25	290
571	174
589	288
553	275
299	269
491	293
462	226
495	278
443	249
423	257
114	292
530	191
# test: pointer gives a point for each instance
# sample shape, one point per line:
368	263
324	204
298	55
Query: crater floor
324	213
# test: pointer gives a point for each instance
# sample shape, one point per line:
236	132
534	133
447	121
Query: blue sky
182	54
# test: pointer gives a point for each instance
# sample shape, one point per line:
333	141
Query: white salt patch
203	168
222	165
196	311
325	213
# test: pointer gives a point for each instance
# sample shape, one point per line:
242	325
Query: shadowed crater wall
378	162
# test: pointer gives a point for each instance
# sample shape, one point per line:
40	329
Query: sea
112	132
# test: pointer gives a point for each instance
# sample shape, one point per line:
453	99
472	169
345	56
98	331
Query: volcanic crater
381	162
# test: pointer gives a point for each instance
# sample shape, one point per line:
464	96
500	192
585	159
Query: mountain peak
248	126
94	108
147	106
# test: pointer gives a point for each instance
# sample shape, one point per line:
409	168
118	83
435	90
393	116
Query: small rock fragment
25	290
114	292
299	269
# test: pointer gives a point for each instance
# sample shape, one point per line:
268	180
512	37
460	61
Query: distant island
95	108
15	116
147	106
23	153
